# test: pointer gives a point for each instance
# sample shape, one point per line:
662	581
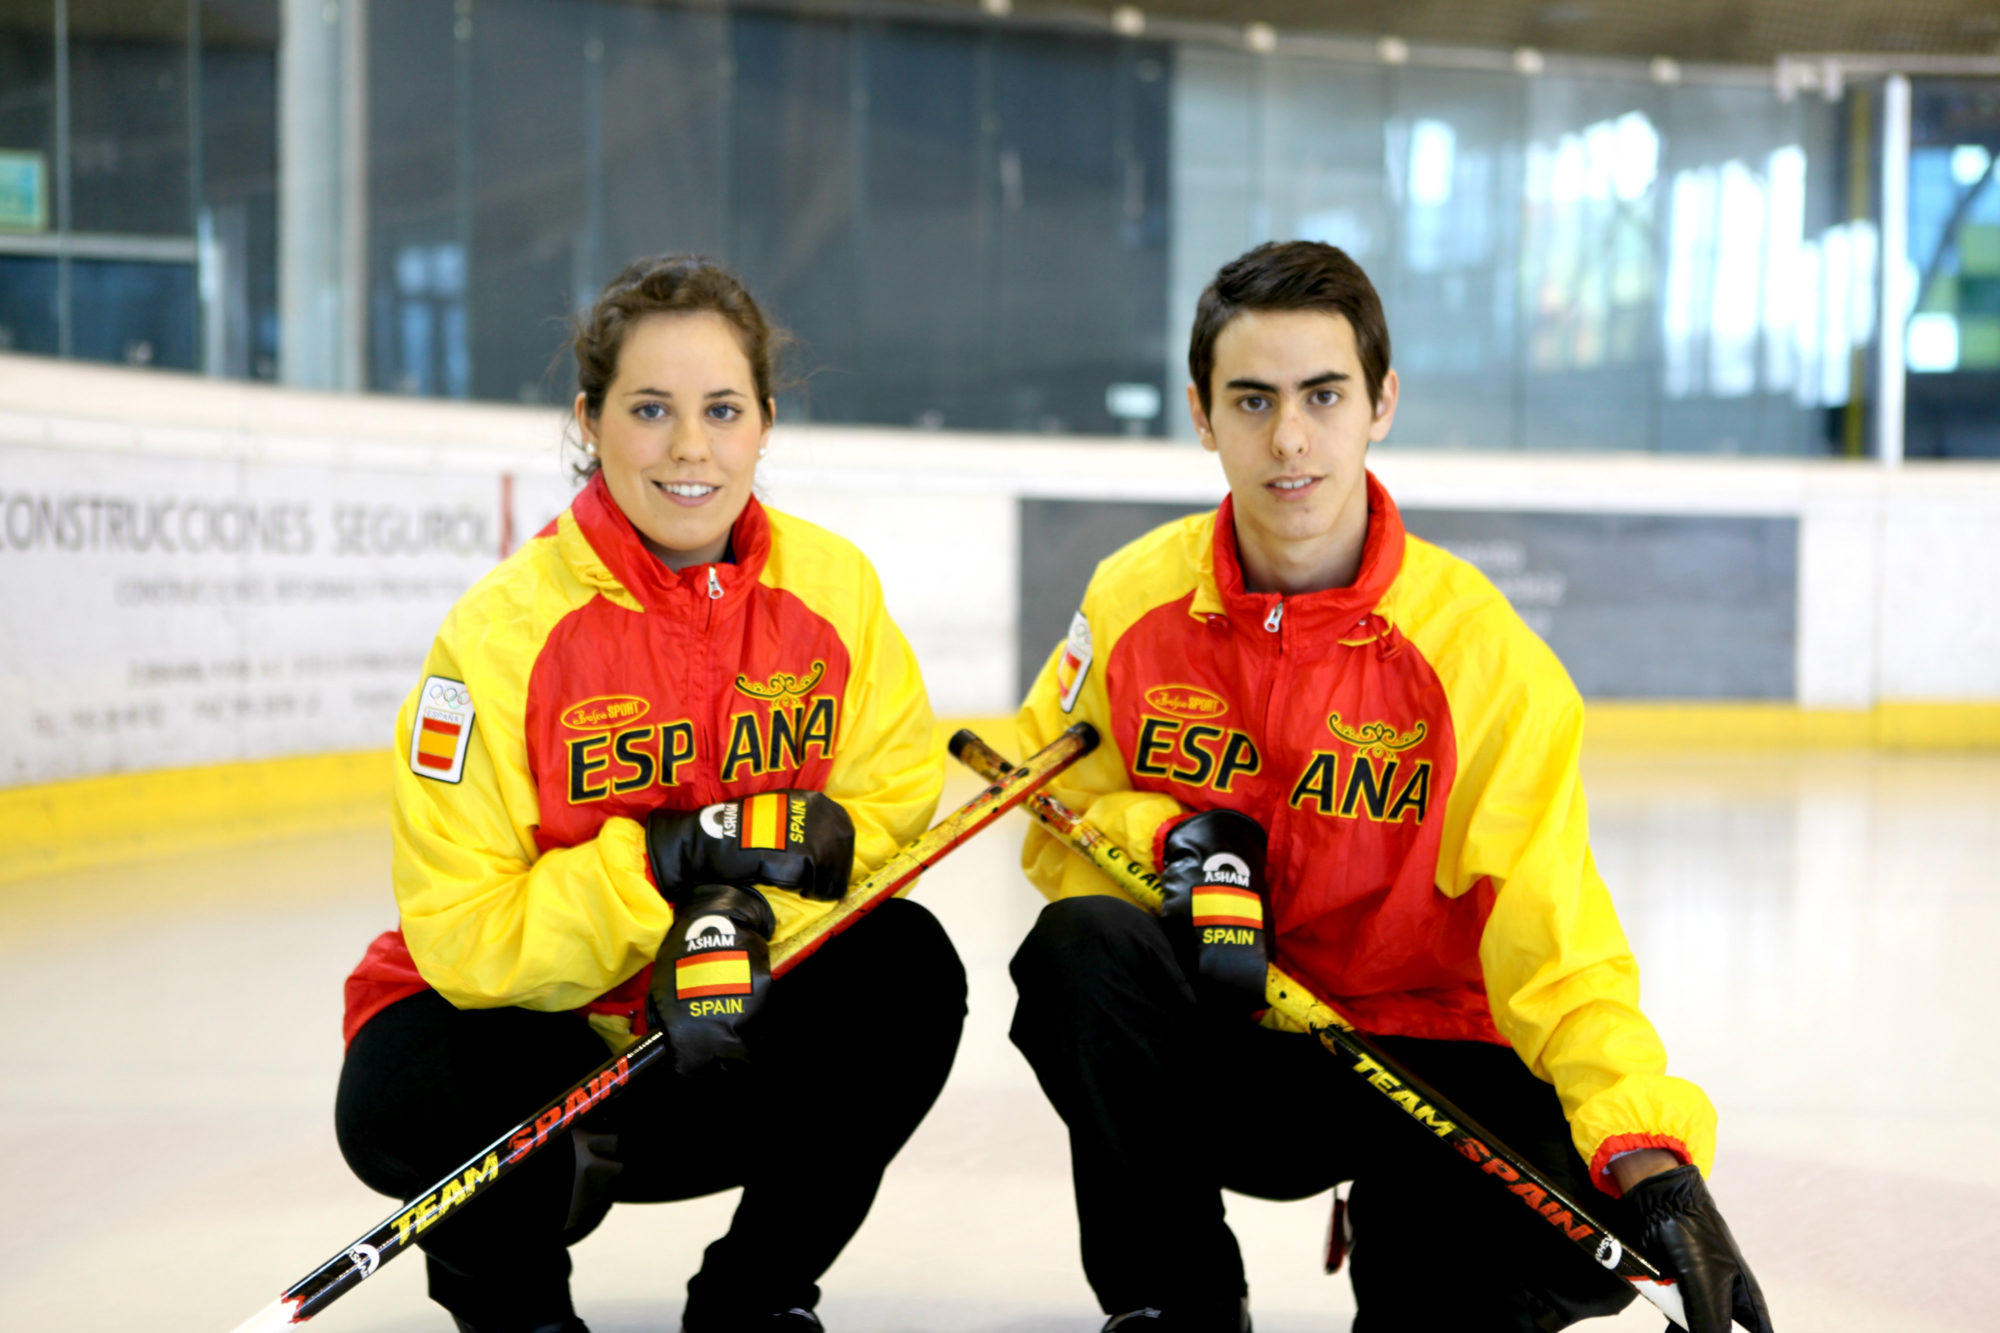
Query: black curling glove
797	840
710	976
1214	908
1682	1231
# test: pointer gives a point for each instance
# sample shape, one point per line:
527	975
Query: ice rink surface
1818	935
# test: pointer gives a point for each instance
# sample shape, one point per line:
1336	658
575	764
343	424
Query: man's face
1289	417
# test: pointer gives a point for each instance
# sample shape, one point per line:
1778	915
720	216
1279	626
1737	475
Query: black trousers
848	1053
1166	1108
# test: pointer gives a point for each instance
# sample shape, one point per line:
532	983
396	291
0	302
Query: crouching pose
1344	752
666	733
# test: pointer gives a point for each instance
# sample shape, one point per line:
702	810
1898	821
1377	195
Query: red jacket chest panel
1342	747
679	707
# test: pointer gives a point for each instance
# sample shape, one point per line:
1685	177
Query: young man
1354	725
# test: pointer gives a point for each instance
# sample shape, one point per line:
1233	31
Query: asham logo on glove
761	821
1226	868
711	932
722	819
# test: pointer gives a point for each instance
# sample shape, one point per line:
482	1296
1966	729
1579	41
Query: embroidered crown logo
783	684
1377	738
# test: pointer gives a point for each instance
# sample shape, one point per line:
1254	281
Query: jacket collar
645	577
1332	610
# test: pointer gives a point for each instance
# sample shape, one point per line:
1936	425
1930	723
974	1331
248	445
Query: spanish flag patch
1075	662
437	743
1216	906
764	821
724	972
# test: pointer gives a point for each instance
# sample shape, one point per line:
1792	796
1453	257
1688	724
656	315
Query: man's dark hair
1291	275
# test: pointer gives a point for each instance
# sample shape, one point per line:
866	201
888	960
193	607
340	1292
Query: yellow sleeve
489	919
1562	982
888	770
1098	786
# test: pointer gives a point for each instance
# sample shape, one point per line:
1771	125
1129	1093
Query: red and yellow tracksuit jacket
581	685
1411	748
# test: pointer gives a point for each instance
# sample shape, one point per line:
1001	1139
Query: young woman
671	729
1344	743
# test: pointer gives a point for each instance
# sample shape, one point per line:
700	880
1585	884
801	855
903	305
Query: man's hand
711	975
1213	907
797	840
1681	1230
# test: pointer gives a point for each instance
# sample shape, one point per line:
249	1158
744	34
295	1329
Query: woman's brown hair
670	285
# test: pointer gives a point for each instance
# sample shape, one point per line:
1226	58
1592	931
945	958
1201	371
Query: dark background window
962	228
141	314
129	117
28	305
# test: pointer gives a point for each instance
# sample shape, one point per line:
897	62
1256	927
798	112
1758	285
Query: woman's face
679	434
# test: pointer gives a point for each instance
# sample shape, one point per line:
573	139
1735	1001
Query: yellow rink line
97	821
1766	726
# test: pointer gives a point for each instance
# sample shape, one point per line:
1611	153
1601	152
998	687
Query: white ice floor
1819	937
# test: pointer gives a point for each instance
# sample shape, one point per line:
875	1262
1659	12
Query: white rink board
114	658
166	610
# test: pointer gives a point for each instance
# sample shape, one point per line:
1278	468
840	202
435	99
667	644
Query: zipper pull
1272	621
714	584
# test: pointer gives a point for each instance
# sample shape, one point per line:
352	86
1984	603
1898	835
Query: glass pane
140	314
28	305
1217	203
1953	349
1742	343
129	113
1069	242
793	182
416	273
28	117
1453	169
238	223
528	177
663	98
1075	297
918	340
1323	131
1589	274
1272	148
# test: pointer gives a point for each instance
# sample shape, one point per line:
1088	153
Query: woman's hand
711	975
801	841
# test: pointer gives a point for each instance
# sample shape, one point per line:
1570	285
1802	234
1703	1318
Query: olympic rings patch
446	693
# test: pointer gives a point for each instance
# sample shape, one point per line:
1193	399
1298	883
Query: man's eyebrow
1259	386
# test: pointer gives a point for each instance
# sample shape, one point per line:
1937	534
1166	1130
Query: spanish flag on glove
789	839
1212	906
711	975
